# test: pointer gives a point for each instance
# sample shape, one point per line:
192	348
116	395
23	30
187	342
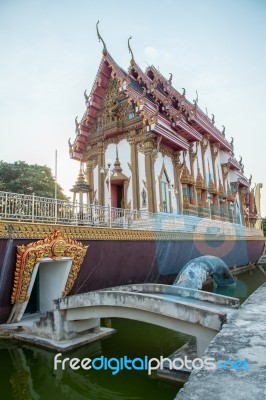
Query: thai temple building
163	154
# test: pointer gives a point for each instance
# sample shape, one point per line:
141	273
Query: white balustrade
31	208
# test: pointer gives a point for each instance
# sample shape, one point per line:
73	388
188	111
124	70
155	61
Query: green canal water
26	372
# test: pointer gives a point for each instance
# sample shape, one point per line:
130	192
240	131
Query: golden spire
132	61
101	39
211	187
200	184
117	165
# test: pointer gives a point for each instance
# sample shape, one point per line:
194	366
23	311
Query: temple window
190	194
165	184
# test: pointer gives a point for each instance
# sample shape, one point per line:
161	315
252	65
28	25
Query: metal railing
20	207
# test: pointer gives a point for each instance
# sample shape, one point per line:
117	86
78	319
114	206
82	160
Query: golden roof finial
132	61
101	39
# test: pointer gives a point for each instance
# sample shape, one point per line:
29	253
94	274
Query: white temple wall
224	157
169	168
232	176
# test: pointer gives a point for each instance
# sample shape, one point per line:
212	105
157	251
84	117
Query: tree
264	226
20	177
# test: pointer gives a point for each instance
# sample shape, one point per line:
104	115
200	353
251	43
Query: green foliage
264	226
20	177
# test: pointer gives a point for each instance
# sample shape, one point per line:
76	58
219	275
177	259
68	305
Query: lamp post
110	173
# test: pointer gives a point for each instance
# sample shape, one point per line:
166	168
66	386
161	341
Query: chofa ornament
54	246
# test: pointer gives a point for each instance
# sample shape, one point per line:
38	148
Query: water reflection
27	371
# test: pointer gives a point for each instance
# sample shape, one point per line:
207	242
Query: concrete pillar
58	333
134	170
177	168
101	176
203	340
90	179
149	147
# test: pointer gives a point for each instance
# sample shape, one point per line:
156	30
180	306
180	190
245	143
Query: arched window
165	193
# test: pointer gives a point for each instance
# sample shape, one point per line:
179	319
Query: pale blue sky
50	54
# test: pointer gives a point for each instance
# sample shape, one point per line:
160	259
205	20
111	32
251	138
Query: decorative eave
242	181
195	115
233	164
171	136
150	111
204	123
158	77
136	72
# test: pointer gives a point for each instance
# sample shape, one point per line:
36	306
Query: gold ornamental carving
200	182
54	246
186	177
214	151
204	145
26	230
192	153
225	170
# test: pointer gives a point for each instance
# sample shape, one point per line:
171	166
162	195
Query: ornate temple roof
160	107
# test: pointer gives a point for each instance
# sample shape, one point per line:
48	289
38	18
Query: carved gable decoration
110	103
115	108
54	246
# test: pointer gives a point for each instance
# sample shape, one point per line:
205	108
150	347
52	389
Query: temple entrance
34	301
55	254
47	283
117	191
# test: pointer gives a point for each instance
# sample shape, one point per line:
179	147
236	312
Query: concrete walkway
242	338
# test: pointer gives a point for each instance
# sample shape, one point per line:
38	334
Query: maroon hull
117	262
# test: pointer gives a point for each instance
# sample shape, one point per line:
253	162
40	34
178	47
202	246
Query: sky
49	54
